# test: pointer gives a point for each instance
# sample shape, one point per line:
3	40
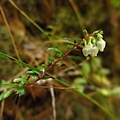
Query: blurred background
98	77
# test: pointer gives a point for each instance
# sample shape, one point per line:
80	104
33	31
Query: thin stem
2	109
53	101
12	38
87	36
56	61
78	14
47	70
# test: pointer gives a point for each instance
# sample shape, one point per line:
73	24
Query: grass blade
17	61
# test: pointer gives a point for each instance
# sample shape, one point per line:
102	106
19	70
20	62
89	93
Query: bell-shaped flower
94	51
87	50
101	45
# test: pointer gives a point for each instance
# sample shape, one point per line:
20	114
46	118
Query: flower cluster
93	44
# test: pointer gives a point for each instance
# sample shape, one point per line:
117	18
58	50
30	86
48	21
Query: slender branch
56	61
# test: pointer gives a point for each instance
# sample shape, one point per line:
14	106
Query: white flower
94	51
93	45
101	45
87	50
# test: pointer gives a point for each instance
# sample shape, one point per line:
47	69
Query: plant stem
56	61
10	33
51	66
78	14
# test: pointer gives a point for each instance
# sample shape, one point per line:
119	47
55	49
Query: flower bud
99	36
101	45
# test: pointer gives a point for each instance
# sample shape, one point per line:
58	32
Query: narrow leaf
55	50
78	40
4	86
51	59
24	79
32	73
98	31
50	27
69	39
5	94
60	64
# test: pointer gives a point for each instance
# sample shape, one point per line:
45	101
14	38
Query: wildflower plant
92	43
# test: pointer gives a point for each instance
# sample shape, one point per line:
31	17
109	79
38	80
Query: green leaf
21	91
59	55
105	92
5	94
95	63
78	40
17	80
104	71
55	50
70	47
98	32
60	64
86	69
110	92
17	61
9	85
69	39
50	27
24	79
41	68
48	33
115	91
4	82
51	59
85	32
32	73
79	83
76	57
